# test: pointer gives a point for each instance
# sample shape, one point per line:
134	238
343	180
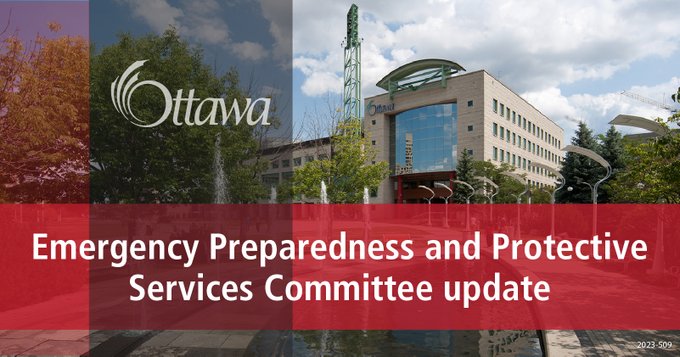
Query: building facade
430	113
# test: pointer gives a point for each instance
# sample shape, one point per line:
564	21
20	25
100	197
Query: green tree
611	149
465	173
166	163
346	172
44	116
578	169
652	171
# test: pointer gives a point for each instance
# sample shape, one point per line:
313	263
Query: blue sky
569	59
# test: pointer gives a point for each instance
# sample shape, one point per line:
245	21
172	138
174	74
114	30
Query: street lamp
486	181
521	180
467	202
446	202
446	199
519	197
593	188
640	122
429	200
555	173
562	181
472	189
595	157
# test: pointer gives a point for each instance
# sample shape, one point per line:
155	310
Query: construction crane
646	100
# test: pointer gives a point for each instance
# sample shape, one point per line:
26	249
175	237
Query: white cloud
598	110
200	20
158	14
278	13
532	46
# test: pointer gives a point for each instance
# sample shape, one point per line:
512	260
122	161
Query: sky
30	18
570	59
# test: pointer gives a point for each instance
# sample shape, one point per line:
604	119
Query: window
471	128
374	192
495	129
323	157
524	164
470	152
269	180
275	164
514	118
507	156
514	162
524	143
530	126
502	155
507	114
519	141
373	122
373	142
285	163
309	158
502	110
495	153
507	135
514	139
524	123
502	133
297	161
519	120
495	105
470	103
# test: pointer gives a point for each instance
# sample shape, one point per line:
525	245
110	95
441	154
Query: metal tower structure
352	84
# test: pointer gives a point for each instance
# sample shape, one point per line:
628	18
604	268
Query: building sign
373	109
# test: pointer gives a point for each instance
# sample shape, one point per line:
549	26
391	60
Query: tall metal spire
352	85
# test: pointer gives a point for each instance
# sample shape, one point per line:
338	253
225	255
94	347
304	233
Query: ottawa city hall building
430	112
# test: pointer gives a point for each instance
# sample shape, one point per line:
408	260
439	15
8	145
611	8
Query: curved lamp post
486	181
446	202
640	122
562	181
429	202
446	199
595	157
555	173
472	189
600	160
519	179
658	267
467	202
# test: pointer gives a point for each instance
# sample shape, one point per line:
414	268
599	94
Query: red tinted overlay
42	294
344	267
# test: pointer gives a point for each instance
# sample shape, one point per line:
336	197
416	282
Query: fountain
367	198
272	195
219	178
324	194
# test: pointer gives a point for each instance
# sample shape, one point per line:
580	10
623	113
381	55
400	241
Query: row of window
517	161
523	143
525	124
297	161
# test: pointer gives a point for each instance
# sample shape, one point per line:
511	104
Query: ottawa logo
125	85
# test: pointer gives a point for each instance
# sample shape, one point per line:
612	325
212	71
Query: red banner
339	267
